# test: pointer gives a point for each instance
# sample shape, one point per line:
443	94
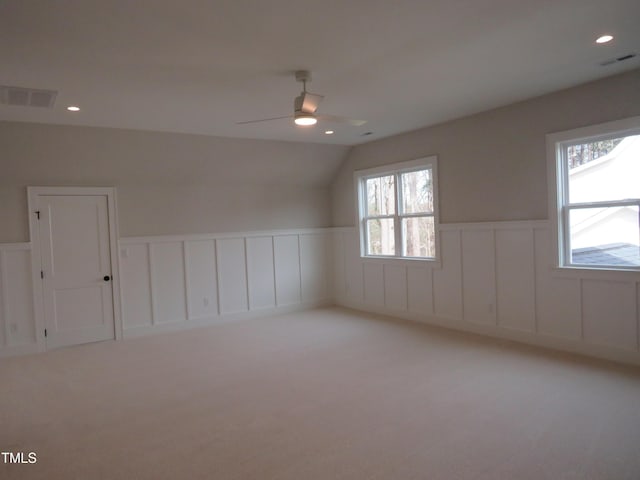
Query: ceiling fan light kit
305	106
304	119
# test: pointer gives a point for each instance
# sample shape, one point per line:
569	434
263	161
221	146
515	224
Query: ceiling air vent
622	58
27	97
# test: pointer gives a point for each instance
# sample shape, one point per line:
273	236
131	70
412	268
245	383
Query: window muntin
599	200
397	210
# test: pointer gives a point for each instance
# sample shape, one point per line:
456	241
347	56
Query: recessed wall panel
420	291
447	281
515	279
395	287
337	285
314	266
354	283
287	268
557	298
168	282
609	313
478	276
262	291
232	275
202	290
135	286
20	320
373	284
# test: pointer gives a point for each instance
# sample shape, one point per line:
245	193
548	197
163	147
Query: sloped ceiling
198	66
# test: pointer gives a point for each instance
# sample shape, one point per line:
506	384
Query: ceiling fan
305	106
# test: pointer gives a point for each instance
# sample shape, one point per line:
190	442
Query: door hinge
41	274
38	214
45	332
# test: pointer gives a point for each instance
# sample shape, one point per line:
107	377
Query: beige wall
492	166
170	183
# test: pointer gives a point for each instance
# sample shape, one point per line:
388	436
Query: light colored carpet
324	394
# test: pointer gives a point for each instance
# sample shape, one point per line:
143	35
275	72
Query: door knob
107	278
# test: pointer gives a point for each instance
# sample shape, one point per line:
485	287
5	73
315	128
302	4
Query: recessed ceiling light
329	132
604	39
73	108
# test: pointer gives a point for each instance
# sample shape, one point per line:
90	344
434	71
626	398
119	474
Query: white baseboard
530	338
144	330
15	350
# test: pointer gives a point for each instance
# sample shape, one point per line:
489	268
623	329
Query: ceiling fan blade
263	120
338	119
310	102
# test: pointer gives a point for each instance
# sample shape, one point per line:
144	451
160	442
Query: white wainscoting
495	278
173	282
498	279
17	319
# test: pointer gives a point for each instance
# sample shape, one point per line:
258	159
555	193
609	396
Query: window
397	212
598	196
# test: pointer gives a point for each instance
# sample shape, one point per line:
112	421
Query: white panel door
76	263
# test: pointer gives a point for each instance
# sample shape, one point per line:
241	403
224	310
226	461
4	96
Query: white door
76	269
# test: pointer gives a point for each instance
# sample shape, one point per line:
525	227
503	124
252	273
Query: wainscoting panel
168	282
286	251
315	266
558	303
395	287
201	282
374	287
262	287
136	284
354	280
499	279
232	275
419	291
515	279
610	313
447	281
17	319
173	282
479	276
339	286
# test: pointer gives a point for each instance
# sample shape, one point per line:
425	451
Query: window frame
558	180
396	169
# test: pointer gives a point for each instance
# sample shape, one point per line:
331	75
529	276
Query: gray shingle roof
615	254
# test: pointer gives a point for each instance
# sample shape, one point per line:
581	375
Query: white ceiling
199	66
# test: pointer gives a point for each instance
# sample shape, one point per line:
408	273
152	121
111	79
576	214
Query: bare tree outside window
398	213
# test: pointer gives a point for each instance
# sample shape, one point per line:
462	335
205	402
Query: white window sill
604	273
432	263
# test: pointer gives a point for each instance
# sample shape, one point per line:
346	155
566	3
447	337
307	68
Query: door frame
36	252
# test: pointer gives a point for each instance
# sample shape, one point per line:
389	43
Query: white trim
396	169
15	246
546	341
498	225
3	296
33	194
220	236
204	321
557	190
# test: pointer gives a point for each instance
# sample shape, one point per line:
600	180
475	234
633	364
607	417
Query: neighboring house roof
620	254
609	177
627	149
